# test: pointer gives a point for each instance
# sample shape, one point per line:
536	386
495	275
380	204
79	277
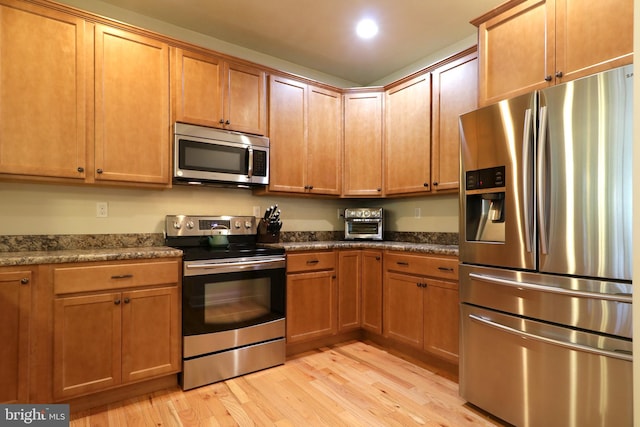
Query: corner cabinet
305	129
455	92
114	324
363	143
211	91
420	294
15	307
407	141
559	40
132	116
311	296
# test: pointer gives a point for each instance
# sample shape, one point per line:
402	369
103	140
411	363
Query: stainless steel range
233	298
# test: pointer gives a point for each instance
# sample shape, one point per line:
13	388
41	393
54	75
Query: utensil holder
264	235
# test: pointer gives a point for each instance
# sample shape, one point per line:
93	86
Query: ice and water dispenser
485	216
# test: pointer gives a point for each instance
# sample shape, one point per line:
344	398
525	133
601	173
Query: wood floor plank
350	384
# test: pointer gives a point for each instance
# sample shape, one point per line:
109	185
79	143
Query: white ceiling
320	34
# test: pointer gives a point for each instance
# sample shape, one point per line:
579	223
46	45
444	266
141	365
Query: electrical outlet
257	212
340	214
417	212
102	210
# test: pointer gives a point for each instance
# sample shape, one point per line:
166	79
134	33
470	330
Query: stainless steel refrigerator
545	251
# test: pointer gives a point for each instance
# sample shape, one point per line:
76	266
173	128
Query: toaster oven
363	224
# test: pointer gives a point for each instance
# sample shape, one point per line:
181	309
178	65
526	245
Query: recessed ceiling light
367	28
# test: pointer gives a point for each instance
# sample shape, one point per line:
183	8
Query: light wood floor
351	384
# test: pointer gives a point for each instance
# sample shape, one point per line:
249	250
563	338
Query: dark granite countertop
427	248
55	249
85	255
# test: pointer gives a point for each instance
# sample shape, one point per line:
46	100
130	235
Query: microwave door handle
250	168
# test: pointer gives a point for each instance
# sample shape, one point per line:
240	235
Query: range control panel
185	225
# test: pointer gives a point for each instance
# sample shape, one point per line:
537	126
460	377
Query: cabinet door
150	333
372	291
455	91
245	99
441	319
517	51
324	141
15	303
362	144
42	92
132	127
287	133
592	36
311	306
87	343
197	85
349	289
403	308
407	143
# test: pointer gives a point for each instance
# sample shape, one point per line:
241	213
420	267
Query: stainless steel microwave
203	155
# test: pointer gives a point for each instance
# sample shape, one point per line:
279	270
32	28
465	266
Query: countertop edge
8	259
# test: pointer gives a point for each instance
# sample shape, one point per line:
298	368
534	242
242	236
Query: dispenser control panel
486	178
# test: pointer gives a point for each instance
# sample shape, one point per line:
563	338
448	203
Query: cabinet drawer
423	265
86	277
311	261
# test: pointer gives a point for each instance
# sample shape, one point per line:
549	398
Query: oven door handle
618	354
239	264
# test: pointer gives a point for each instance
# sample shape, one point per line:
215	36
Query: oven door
238	295
365	229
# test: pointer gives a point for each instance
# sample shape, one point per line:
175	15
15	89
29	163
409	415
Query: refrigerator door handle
542	180
526	178
577	347
624	298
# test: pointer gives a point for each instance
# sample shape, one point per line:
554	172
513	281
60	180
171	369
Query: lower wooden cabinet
15	307
108	334
349	290
420	308
311	296
360	290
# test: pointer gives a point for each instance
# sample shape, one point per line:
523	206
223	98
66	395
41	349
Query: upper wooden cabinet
74	105
455	91
210	91
538	43
362	143
132	116
407	141
305	131
43	115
